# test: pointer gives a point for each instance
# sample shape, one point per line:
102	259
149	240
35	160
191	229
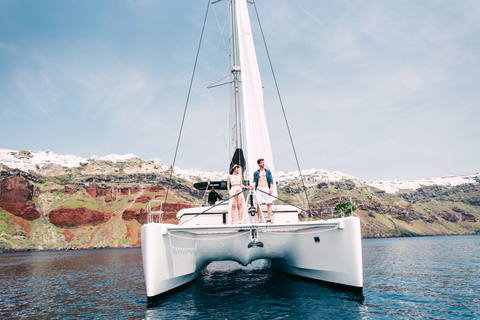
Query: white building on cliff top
40	158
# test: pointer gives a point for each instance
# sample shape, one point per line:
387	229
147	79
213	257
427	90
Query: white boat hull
327	250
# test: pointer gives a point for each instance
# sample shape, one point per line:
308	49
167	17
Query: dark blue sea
405	278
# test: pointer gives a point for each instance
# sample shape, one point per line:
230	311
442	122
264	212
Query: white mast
235	71
244	71
235	79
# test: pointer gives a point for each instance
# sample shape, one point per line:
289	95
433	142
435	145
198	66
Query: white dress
235	181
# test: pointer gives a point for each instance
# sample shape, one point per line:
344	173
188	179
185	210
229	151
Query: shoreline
137	247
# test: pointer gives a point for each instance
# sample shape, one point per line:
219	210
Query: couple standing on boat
263	184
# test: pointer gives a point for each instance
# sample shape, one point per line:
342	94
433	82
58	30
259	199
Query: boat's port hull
328	251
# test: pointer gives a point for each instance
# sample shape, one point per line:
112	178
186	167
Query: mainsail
256	132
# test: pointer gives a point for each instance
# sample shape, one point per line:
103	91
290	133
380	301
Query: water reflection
436	278
83	283
227	290
411	276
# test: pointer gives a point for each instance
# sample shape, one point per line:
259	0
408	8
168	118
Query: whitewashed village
30	161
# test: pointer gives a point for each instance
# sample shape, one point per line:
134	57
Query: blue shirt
256	176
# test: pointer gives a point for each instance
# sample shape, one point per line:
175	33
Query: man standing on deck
213	196
263	183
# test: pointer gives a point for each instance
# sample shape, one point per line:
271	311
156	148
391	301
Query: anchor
254	238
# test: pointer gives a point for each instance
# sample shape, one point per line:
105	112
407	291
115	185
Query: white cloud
360	81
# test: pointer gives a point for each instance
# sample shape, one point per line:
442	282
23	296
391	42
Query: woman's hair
233	168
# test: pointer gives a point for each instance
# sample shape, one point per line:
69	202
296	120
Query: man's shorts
264	197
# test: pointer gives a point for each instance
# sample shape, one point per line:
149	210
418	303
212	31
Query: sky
380	90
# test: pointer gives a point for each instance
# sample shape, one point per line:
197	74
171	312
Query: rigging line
219	123
210	77
237	234
307	211
221	202
296	232
214	60
219	41
220	28
188	98
220	80
281	103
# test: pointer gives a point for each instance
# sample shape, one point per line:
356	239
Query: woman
234	186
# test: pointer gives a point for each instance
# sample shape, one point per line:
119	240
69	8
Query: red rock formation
144	198
140	215
157	188
170	212
170	209
68	190
109	197
22	223
130	190
111	193
65	217
69	235
16	198
92	190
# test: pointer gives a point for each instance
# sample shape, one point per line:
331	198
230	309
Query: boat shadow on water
227	288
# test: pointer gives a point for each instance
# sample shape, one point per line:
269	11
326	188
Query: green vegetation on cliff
83	209
426	211
86	209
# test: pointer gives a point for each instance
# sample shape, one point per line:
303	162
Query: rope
281	103
221	202
236	194
222	40
286	232
218	121
237	234
221	29
243	232
188	98
285	201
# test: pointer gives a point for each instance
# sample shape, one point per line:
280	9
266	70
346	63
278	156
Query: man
213	196
263	183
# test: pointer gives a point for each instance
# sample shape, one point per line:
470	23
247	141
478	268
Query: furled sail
239	159
256	132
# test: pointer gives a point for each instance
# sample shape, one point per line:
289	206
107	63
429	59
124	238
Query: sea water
404	278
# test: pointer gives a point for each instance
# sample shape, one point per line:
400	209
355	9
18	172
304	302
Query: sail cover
256	132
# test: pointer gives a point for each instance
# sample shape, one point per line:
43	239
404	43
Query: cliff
80	210
432	210
103	204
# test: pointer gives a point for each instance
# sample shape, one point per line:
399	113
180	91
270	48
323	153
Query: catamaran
327	250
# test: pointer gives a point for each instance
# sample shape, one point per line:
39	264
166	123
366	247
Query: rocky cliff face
135	166
51	170
433	210
170	212
70	218
16	197
79	209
